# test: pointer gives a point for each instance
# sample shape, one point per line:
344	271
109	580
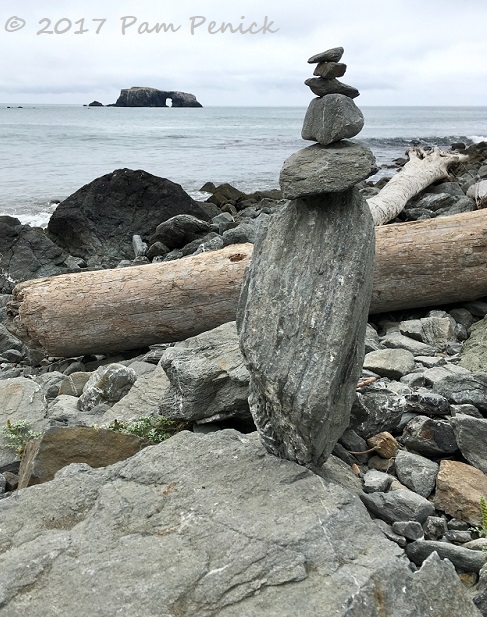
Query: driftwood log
420	263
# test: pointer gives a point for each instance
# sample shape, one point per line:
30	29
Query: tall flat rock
208	526
302	317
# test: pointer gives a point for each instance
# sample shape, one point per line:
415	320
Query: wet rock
429	436
400	505
392	363
471	436
416	472
459	488
318	169
331	118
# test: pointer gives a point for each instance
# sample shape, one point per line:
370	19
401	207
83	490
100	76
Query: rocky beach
315	445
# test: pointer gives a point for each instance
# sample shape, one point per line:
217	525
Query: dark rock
477	308
389	532
400	505
95	104
376	481
101	217
226	193
27	253
411	530
464	389
434	527
152	97
456	536
449	188
330	55
427	404
330	70
240	234
392	363
179	230
331	118
302	317
417	473
378	409
157	249
429	436
323	87
318	169
471	436
462	558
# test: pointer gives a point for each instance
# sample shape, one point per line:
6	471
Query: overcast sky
398	52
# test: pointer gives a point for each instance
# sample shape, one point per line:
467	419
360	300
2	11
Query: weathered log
419	263
423	168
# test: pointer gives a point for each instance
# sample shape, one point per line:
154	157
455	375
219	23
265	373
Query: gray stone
456	536
108	384
376	481
434	527
323	87
469	410
302	317
431	361
330	55
378	409
63	412
157	249
464	389
417	473
372	342
392	363
411	530
434	331
331	118
434	202
429	436
474	353
318	169
396	340
207	377
3	484
462	558
462	316
245	232
73	384
427	404
478	308
180	230
436	374
400	505
13	356
330	70
9	341
152	97
188	527
471	436
450	188
390	533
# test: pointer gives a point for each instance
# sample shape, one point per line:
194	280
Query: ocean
48	152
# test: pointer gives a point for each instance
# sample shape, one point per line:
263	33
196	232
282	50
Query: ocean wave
407	142
476	139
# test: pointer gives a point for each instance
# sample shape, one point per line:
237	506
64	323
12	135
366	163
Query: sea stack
304	304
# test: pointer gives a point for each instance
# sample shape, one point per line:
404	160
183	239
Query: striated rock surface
318	169
152	97
332	118
203	526
302	317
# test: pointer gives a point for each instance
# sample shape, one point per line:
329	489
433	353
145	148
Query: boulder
208	525
392	363
330	70
108	384
416	472
400	505
179	230
427	404
331	118
100	219
379	408
318	169
471	436
434	331
27	253
73	384
208	378
429	436
302	317
330	55
59	447
464	389
462	558
459	488
396	340
474	353
152	97
323	87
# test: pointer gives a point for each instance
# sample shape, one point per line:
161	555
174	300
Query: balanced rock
318	169
330	70
330	55
302	317
331	118
322	87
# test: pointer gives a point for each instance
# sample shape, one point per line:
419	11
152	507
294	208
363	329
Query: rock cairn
304	304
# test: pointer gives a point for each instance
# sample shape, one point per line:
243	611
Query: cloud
401	52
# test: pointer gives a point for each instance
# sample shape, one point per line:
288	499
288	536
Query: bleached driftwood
423	168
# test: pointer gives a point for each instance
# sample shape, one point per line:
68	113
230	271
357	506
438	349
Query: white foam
477	138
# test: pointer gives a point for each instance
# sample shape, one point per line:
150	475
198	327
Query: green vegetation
17	434
155	429
482	530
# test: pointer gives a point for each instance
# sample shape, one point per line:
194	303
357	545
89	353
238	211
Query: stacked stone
331	118
304	305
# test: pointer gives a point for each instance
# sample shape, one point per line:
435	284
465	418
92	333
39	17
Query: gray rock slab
427	403
207	377
323	87
434	331
330	70
431	437
302	317
392	363
400	505
318	169
417	473
331	118
372	342
438	373
376	481
462	558
396	340
411	530
474	352
330	55
190	527
471	436
9	341
464	389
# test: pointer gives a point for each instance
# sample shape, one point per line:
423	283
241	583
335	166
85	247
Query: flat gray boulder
471	436
463	389
207	526
331	118
474	352
318	169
